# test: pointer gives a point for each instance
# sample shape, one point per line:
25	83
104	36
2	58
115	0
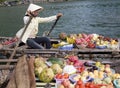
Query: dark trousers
39	43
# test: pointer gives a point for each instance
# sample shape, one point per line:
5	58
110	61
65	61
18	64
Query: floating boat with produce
57	72
84	45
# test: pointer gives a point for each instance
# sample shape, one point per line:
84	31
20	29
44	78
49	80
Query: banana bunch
62	43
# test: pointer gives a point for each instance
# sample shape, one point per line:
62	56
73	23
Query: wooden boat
38	83
83	53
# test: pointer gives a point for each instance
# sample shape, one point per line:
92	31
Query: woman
29	36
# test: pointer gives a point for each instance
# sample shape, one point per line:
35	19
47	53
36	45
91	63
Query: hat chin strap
31	14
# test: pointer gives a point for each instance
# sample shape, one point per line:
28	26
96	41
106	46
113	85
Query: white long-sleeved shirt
32	28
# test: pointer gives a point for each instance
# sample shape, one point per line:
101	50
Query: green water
88	16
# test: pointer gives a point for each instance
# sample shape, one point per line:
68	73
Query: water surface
88	16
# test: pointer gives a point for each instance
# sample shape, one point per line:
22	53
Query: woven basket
81	46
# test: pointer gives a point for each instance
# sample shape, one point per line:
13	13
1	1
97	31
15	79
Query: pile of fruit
76	73
83	40
44	72
9	41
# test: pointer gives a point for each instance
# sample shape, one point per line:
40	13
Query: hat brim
33	7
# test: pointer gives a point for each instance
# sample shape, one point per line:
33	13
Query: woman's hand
59	15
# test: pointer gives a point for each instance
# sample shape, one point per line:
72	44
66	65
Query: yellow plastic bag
70	40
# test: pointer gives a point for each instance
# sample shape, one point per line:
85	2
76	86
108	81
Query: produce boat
18	68
84	45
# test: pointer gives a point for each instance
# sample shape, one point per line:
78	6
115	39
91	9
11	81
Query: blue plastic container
115	82
101	47
66	47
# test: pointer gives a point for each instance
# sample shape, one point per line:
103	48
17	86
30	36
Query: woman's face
35	13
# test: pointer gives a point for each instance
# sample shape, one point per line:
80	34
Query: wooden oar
53	26
19	40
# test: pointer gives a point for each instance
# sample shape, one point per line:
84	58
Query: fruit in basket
55	45
80	69
39	62
54	60
79	35
79	84
66	83
73	36
83	78
95	36
97	81
80	41
84	35
101	75
113	42
46	75
62	35
78	63
91	45
56	68
38	70
98	64
91	74
107	65
73	58
70	69
102	67
84	73
115	76
70	40
108	70
96	72
62	76
107	80
61	86
71	85
77	77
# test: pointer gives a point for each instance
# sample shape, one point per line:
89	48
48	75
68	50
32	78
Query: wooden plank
42	85
7	60
57	50
4	67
